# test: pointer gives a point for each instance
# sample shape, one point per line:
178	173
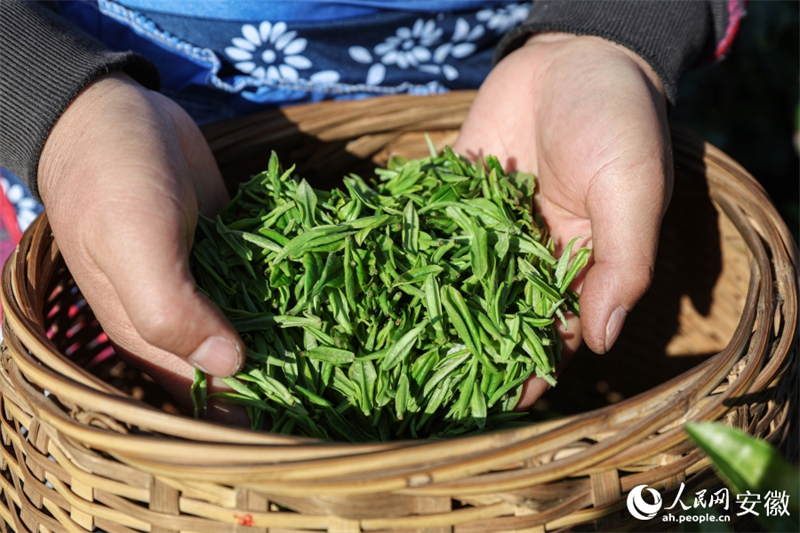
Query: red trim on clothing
9	226
735	14
8	219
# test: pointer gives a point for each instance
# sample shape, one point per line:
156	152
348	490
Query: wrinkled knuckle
641	277
162	325
160	328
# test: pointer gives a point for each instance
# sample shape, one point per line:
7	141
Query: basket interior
73	328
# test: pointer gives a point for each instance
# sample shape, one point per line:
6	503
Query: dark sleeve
45	61
670	35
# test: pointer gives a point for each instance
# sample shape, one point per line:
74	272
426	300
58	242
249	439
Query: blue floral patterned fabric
224	58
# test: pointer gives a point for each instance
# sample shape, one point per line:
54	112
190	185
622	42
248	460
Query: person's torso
223	58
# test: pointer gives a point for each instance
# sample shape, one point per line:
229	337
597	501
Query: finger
625	207
208	184
122	202
146	264
140	232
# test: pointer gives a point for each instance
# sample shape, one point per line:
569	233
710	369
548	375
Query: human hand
123	175
588	118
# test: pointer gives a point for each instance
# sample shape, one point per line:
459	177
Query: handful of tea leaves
413	307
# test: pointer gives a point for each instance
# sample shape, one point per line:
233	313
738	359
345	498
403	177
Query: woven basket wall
85	444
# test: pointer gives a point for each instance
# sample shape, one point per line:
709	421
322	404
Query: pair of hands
125	172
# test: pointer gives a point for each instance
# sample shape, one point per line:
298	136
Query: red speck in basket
53	311
244	519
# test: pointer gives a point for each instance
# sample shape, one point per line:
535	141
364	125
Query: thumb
147	270
625	213
122	180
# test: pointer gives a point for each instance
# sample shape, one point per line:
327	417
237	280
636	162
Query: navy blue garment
223	58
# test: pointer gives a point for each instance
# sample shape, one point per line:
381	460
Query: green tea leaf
410	229
306	201
479	252
262	242
580	261
460	318
478	406
199	392
563	262
434	305
465	394
401	399
400	350
750	464
334	356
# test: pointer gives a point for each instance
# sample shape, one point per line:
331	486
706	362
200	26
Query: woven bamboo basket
87	446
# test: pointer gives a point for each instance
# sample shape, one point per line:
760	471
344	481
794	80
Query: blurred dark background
747	104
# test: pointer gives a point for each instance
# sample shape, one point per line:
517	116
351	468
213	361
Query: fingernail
216	356
614	326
